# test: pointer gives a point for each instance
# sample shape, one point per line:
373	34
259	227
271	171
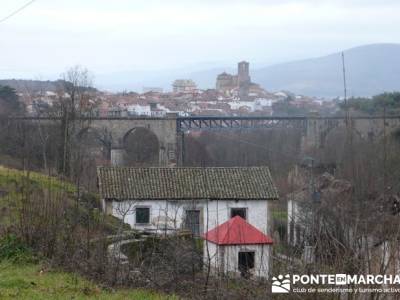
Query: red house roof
236	231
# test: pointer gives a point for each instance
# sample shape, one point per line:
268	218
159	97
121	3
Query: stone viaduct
119	128
171	129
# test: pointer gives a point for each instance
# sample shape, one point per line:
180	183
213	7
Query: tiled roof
122	183
237	231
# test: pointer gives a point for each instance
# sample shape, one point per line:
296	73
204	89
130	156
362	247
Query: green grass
16	184
280	215
10	178
28	282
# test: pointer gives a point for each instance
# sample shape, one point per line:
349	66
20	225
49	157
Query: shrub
14	250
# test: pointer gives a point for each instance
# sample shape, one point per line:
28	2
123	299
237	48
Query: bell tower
243	72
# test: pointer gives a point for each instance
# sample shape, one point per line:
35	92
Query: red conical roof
236	231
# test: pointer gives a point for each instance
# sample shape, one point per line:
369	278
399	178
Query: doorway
246	263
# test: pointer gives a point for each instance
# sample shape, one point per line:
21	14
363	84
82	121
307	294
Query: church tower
243	72
243	79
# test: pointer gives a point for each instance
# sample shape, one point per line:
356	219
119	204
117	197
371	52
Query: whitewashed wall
298	219
292	219
211	215
225	259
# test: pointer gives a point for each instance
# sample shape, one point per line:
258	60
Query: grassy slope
14	183
10	177
27	282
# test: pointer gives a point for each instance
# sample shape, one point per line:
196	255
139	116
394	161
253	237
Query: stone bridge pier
164	129
317	129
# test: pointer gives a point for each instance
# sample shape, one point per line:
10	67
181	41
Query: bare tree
75	101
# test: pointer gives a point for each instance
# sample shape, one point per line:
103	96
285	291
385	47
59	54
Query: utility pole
345	90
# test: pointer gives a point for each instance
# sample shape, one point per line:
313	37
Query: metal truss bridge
218	123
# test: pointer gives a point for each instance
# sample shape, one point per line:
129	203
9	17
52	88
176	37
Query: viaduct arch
118	128
368	128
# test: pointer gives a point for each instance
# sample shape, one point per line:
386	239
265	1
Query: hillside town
233	95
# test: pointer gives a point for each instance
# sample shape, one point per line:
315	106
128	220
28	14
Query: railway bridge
170	130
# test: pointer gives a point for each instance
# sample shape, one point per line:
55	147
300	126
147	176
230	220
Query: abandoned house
305	204
238	247
167	200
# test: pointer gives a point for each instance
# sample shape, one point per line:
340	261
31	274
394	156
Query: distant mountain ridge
370	70
24	85
36	86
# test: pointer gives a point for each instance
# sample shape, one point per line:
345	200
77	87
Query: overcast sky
109	36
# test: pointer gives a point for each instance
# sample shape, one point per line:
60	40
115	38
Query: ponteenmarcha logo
281	284
322	283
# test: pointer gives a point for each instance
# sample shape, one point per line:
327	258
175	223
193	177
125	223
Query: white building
184	86
196	199
167	200
139	110
260	103
236	247
236	105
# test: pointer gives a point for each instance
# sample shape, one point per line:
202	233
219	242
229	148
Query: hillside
46	206
22	85
32	281
35	86
14	184
371	70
